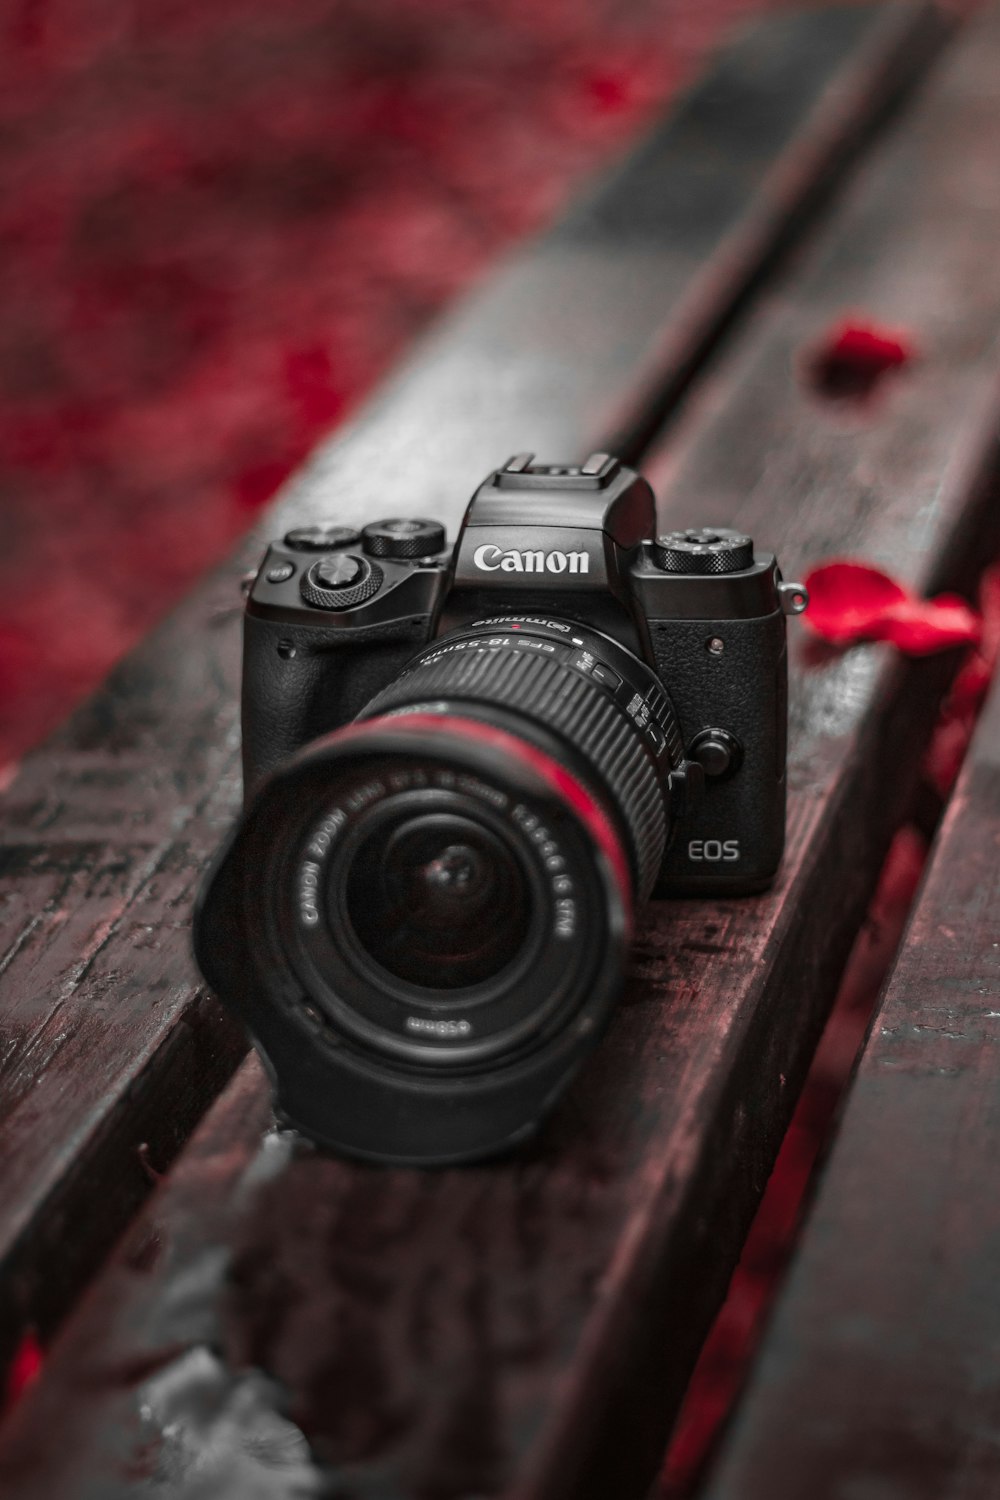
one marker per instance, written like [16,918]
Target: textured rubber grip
[545,692]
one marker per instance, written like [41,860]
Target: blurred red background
[219,224]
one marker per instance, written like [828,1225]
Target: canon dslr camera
[464,771]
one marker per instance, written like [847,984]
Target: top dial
[402,538]
[704,550]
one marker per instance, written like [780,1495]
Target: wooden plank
[107,1041]
[526,1329]
[878,1376]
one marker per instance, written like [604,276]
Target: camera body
[465,771]
[333,618]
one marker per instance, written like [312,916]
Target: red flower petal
[851,601]
[920,627]
[946,751]
[868,344]
[855,354]
[25,1367]
[846,599]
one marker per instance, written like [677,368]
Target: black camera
[464,771]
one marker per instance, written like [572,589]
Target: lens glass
[439,900]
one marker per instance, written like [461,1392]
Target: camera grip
[732,840]
[302,681]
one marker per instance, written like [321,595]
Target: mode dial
[708,549]
[341,581]
[403,538]
[320,538]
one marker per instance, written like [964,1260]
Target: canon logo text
[489,557]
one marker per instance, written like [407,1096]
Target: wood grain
[879,1374]
[106,1042]
[526,1329]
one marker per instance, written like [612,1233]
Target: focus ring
[564,701]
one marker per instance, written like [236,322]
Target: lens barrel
[573,692]
[434,903]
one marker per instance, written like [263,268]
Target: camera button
[341,581]
[717,752]
[657,736]
[338,572]
[320,538]
[280,573]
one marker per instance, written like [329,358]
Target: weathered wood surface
[526,1329]
[106,1042]
[879,1375]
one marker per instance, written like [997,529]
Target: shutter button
[341,581]
[338,572]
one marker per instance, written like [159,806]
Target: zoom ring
[565,702]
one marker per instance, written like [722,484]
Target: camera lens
[438,900]
[450,880]
[433,904]
[572,692]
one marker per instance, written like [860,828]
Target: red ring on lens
[554,776]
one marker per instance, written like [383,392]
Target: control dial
[341,581]
[403,538]
[320,538]
[704,550]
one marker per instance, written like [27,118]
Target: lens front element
[451,900]
[438,900]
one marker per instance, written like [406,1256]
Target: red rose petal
[920,627]
[24,1369]
[868,344]
[846,599]
[855,354]
[852,601]
[960,710]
